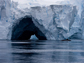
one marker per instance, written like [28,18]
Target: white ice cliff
[5,18]
[57,21]
[82,20]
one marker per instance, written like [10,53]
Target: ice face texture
[82,20]
[5,18]
[56,22]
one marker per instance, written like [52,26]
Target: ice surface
[4,18]
[82,20]
[59,19]
[56,19]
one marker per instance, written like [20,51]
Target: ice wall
[55,21]
[82,20]
[4,18]
[51,18]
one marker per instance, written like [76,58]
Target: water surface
[42,51]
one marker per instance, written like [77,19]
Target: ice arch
[25,29]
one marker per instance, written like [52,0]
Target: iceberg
[82,20]
[4,18]
[57,20]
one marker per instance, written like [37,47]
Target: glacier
[57,20]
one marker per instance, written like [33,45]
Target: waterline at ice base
[41,19]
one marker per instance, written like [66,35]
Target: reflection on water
[42,51]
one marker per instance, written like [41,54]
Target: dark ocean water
[42,51]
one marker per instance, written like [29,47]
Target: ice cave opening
[25,28]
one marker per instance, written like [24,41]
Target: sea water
[35,51]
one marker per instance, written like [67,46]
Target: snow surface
[61,21]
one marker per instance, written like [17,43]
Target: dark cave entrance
[25,29]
